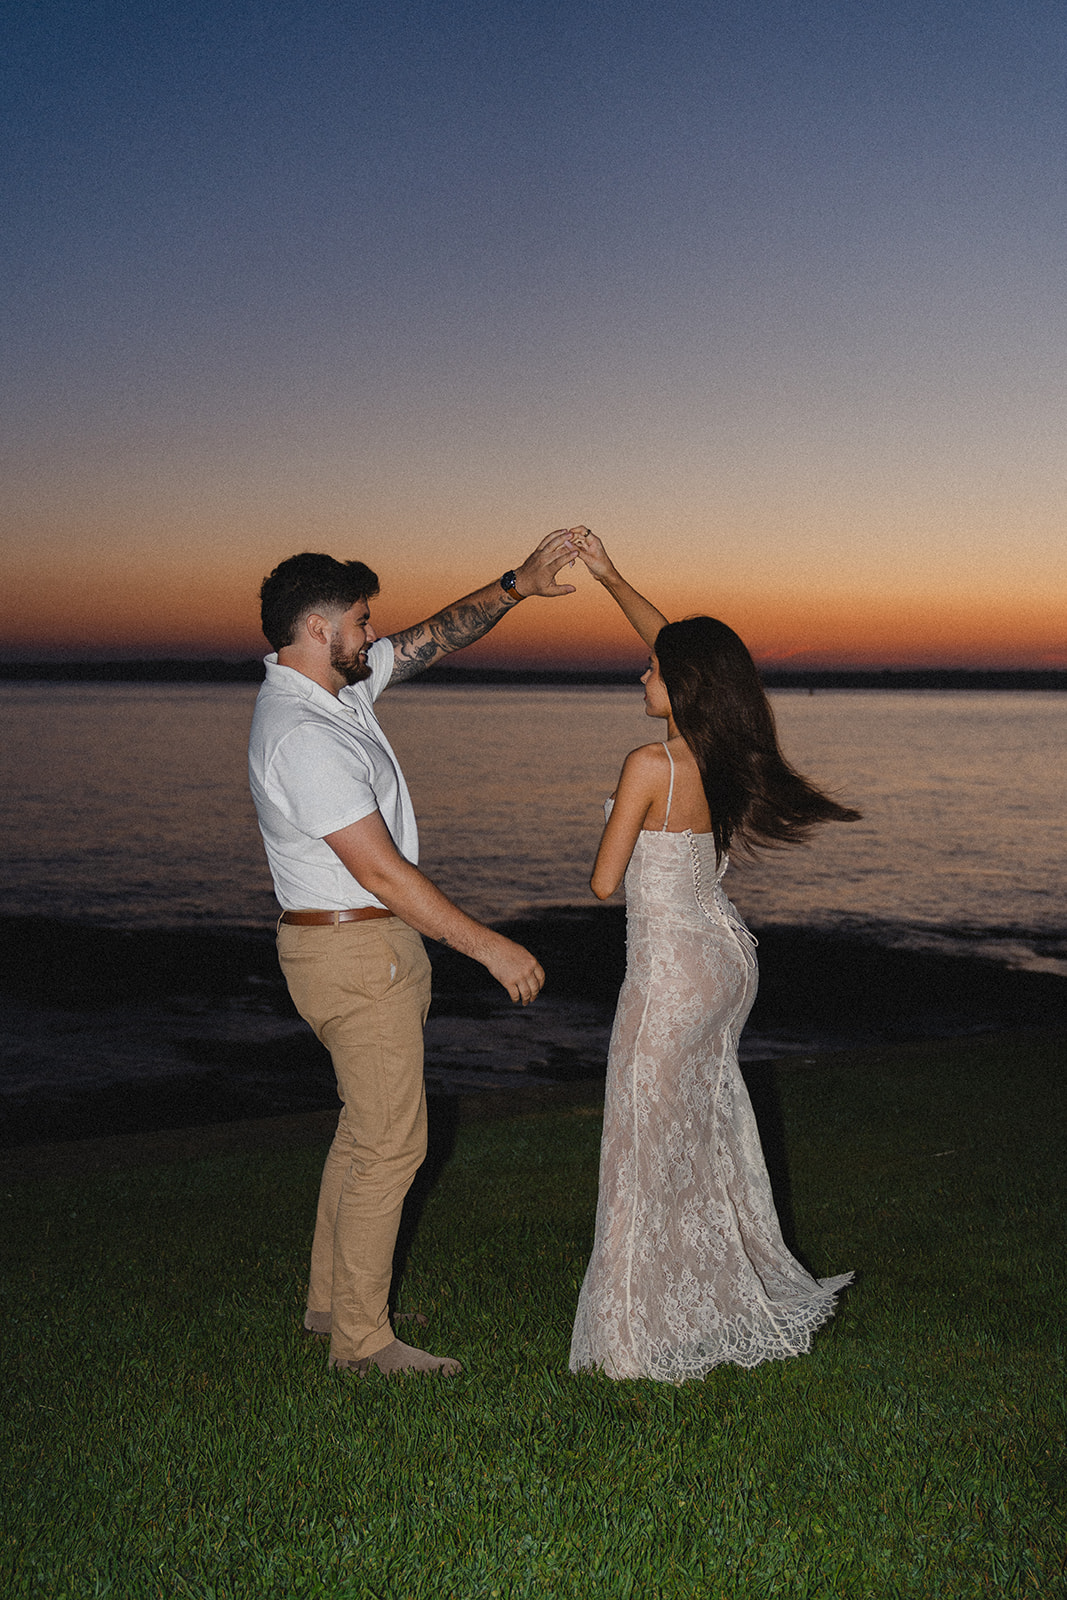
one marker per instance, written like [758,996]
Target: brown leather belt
[328,919]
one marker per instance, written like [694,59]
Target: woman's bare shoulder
[645,772]
[649,757]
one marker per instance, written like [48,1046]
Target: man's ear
[317,627]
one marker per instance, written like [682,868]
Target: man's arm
[366,848]
[464,621]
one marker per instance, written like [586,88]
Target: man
[342,844]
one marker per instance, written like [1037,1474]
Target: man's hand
[537,575]
[520,973]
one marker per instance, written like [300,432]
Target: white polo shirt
[316,763]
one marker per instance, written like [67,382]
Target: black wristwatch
[507,583]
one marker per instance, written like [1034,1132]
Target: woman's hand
[642,615]
[592,552]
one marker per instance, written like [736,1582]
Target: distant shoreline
[182,670]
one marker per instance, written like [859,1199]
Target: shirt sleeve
[319,782]
[381,658]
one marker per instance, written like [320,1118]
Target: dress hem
[795,1340]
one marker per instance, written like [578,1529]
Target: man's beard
[353,669]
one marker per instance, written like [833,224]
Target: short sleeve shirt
[316,763]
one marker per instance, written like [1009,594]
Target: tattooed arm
[464,621]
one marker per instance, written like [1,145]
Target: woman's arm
[639,612]
[643,779]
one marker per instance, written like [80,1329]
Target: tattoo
[409,660]
[458,625]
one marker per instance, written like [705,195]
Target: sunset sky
[770,293]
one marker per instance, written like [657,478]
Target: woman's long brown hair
[722,712]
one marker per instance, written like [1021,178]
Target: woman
[689,1268]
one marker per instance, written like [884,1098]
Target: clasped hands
[537,575]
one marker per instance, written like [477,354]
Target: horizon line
[188,669]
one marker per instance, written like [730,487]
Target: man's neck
[319,671]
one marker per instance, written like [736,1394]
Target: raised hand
[590,550]
[642,615]
[537,575]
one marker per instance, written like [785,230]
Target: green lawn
[166,1433]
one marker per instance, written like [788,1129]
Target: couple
[688,1268]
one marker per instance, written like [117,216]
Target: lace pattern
[689,1268]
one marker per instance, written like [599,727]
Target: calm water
[127,805]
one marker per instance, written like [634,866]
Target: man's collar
[293,681]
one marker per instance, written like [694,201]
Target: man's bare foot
[399,1357]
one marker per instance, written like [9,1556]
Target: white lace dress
[689,1268]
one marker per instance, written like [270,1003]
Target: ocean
[132,866]
[127,806]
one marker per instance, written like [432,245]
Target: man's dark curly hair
[310,583]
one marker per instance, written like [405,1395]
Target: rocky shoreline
[108,1032]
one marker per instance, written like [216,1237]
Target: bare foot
[399,1357]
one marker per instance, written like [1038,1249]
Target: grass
[167,1434]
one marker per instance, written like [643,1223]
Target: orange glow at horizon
[171,606]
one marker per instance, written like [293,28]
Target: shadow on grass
[442,1119]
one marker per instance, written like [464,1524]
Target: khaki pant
[364,987]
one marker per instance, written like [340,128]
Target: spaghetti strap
[670,792]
